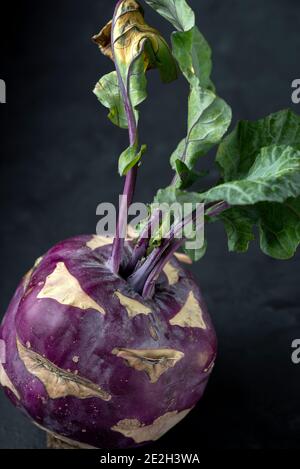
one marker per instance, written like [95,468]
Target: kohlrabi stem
[128,193]
[130,182]
[144,278]
[140,249]
[149,287]
[217,209]
[139,278]
[119,240]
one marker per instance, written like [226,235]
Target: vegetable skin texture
[67,363]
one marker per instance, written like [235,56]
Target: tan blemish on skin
[202,358]
[27,277]
[58,382]
[28,291]
[98,242]
[190,315]
[133,307]
[75,359]
[154,362]
[210,367]
[183,258]
[37,262]
[6,382]
[141,433]
[153,332]
[172,274]
[65,288]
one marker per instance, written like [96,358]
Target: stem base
[54,442]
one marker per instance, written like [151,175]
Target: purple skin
[75,341]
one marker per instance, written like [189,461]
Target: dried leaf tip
[103,40]
[129,13]
[128,36]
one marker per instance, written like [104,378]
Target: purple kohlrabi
[89,360]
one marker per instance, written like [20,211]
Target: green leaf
[208,119]
[260,162]
[274,177]
[190,48]
[238,222]
[279,228]
[208,116]
[171,195]
[176,12]
[108,92]
[278,224]
[193,54]
[187,176]
[129,158]
[238,151]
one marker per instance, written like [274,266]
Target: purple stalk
[139,278]
[145,277]
[140,249]
[217,209]
[153,263]
[149,287]
[130,182]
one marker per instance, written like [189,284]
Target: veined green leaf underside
[208,119]
[278,224]
[176,12]
[239,149]
[260,164]
[208,116]
[274,177]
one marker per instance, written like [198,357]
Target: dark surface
[59,160]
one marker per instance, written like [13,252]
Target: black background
[59,161]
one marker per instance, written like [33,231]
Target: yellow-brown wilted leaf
[128,37]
